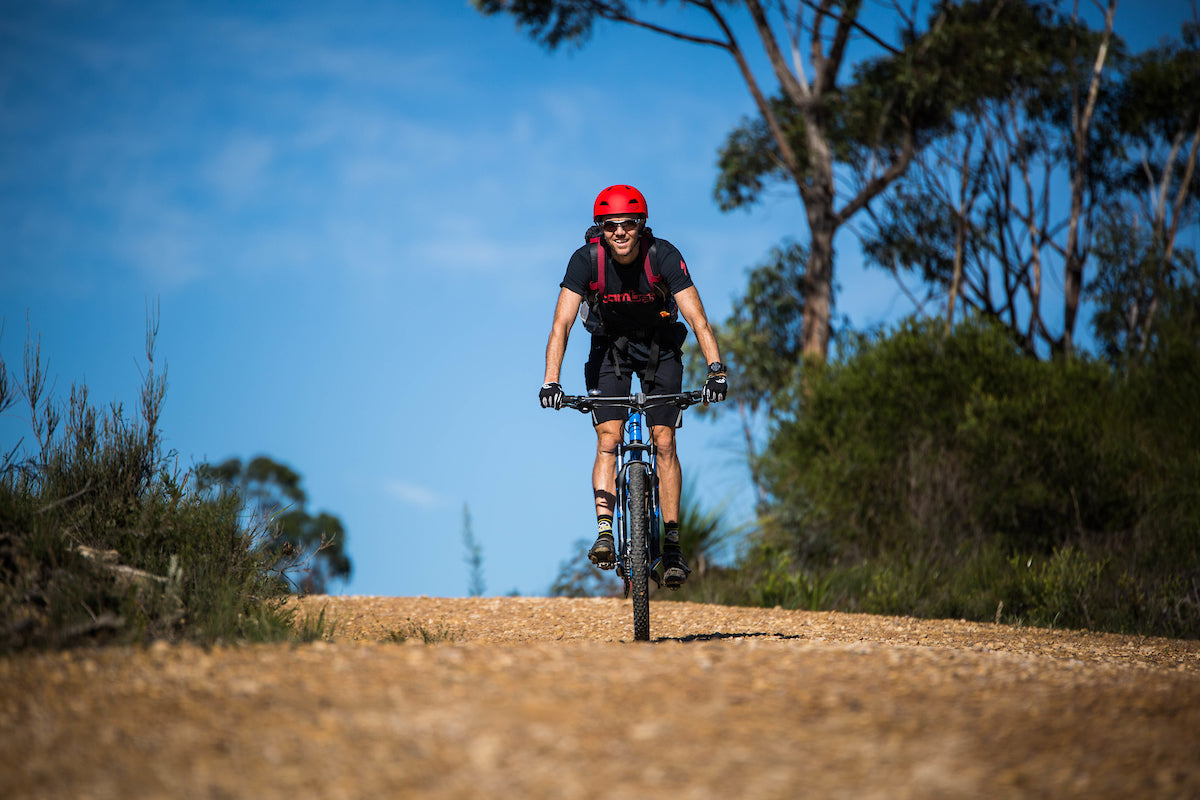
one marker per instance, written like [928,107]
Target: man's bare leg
[604,486]
[670,483]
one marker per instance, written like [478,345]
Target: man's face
[621,233]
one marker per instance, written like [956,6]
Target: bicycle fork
[633,451]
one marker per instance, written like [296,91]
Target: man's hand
[715,388]
[551,395]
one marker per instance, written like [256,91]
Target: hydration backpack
[589,311]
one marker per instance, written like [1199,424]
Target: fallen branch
[108,560]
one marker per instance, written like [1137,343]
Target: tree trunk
[818,282]
[818,195]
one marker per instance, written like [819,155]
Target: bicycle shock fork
[633,449]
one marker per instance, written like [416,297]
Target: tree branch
[874,187]
[1181,195]
[620,16]
[838,51]
[786,152]
[797,93]
[824,10]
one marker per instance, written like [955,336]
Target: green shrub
[918,472]
[102,541]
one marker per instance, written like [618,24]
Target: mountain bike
[637,517]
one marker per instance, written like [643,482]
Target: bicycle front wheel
[638,557]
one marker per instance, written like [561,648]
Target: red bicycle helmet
[620,199]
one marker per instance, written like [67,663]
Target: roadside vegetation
[104,539]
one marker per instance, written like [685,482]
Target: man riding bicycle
[629,287]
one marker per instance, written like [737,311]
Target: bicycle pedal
[605,564]
[674,578]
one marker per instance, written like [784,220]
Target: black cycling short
[600,373]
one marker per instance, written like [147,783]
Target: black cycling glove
[551,395]
[716,387]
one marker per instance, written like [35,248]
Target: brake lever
[580,404]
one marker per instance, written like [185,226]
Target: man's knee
[664,440]
[608,438]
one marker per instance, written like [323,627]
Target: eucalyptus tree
[988,210]
[306,550]
[839,141]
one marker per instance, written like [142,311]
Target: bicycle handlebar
[639,401]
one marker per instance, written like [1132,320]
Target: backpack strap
[620,347]
[650,264]
[598,270]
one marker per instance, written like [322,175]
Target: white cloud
[414,494]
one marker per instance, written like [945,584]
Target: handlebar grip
[577,402]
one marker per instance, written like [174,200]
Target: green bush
[954,476]
[102,541]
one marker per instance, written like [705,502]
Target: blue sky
[353,219]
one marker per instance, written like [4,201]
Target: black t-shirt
[629,302]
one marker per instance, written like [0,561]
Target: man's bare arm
[693,311]
[560,331]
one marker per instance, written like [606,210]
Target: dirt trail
[549,698]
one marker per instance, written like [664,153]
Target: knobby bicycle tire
[639,551]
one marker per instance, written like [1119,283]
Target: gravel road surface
[550,698]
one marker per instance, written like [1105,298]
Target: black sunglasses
[630,225]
